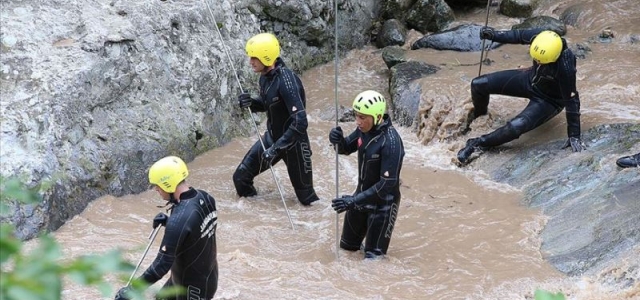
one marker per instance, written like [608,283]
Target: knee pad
[479,84]
[242,173]
[243,181]
[480,95]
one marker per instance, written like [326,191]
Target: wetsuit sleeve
[350,145]
[290,90]
[391,157]
[173,236]
[567,81]
[516,36]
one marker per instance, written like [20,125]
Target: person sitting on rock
[550,86]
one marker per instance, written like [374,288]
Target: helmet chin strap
[172,201]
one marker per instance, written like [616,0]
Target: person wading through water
[188,248]
[372,210]
[282,97]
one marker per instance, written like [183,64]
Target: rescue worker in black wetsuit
[550,86]
[282,97]
[188,247]
[373,208]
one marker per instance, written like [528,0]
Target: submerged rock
[592,204]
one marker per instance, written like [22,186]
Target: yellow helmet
[371,103]
[265,47]
[168,172]
[546,47]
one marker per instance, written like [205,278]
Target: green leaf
[545,295]
[14,189]
[9,244]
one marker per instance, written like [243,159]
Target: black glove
[244,100]
[576,144]
[269,155]
[160,219]
[122,293]
[344,203]
[336,137]
[487,33]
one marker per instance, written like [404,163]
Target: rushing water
[459,235]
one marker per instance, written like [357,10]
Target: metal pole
[253,121]
[486,23]
[153,237]
[336,146]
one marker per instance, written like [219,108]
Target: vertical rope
[336,104]
[486,23]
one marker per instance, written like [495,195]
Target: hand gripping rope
[486,23]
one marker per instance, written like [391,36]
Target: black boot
[465,153]
[631,161]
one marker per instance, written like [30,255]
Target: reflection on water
[459,235]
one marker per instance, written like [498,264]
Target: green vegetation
[545,295]
[39,274]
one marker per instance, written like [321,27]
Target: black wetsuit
[282,97]
[188,248]
[380,155]
[549,88]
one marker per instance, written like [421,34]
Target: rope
[253,121]
[336,146]
[486,23]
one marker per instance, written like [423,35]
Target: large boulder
[405,93]
[93,94]
[392,33]
[430,16]
[460,38]
[545,22]
[589,200]
[518,8]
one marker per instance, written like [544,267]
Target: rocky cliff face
[93,93]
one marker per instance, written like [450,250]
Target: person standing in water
[372,210]
[282,97]
[550,86]
[188,248]
[631,161]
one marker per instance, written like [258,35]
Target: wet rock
[392,33]
[466,3]
[429,16]
[545,22]
[572,13]
[90,103]
[460,38]
[518,8]
[580,50]
[405,93]
[395,9]
[592,205]
[345,114]
[393,56]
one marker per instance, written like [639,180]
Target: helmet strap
[172,201]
